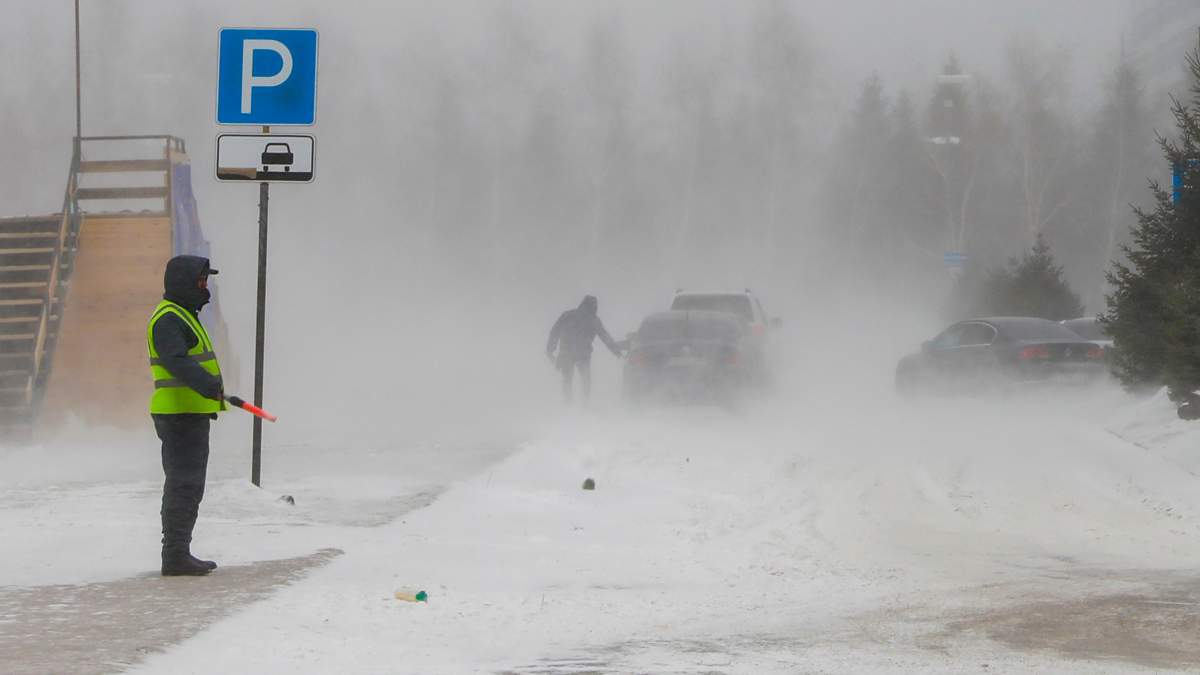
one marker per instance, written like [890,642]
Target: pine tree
[1034,286]
[1154,310]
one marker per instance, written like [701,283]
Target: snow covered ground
[1048,533]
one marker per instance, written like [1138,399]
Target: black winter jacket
[173,338]
[574,332]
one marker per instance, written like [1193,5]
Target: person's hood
[589,305]
[180,282]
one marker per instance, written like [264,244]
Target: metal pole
[260,328]
[78,105]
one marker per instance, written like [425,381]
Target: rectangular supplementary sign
[267,76]
[954,258]
[265,158]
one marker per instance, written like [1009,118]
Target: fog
[480,166]
[866,167]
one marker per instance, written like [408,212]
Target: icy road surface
[944,537]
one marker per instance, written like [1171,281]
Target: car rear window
[1088,329]
[1036,329]
[729,303]
[688,326]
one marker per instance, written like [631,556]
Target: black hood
[589,305]
[181,281]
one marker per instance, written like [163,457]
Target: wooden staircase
[38,253]
[28,253]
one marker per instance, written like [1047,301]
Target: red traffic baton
[252,409]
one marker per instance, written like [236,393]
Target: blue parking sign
[267,76]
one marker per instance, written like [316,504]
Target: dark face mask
[182,282]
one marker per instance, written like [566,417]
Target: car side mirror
[776,323]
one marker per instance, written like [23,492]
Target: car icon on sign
[277,155]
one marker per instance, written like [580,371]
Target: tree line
[992,167]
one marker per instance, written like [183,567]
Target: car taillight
[758,329]
[731,358]
[1095,352]
[637,358]
[1035,352]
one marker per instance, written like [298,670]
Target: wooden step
[33,224]
[13,290]
[122,193]
[28,235]
[11,378]
[24,257]
[9,276]
[22,311]
[18,347]
[124,215]
[23,284]
[23,328]
[23,293]
[120,165]
[19,413]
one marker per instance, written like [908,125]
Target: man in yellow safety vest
[188,394]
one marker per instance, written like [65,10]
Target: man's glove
[216,391]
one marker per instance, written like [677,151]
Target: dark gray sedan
[998,353]
[689,357]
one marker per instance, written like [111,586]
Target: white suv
[744,304]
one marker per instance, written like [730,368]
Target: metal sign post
[260,328]
[265,77]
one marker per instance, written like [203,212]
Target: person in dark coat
[572,336]
[188,394]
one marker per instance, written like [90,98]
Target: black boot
[207,563]
[184,566]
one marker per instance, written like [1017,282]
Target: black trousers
[185,465]
[584,366]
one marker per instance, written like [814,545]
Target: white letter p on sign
[249,81]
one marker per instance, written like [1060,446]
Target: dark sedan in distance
[996,353]
[687,356]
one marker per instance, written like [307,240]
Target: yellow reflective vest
[172,396]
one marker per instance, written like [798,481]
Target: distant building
[1160,34]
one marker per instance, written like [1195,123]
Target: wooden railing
[68,232]
[67,242]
